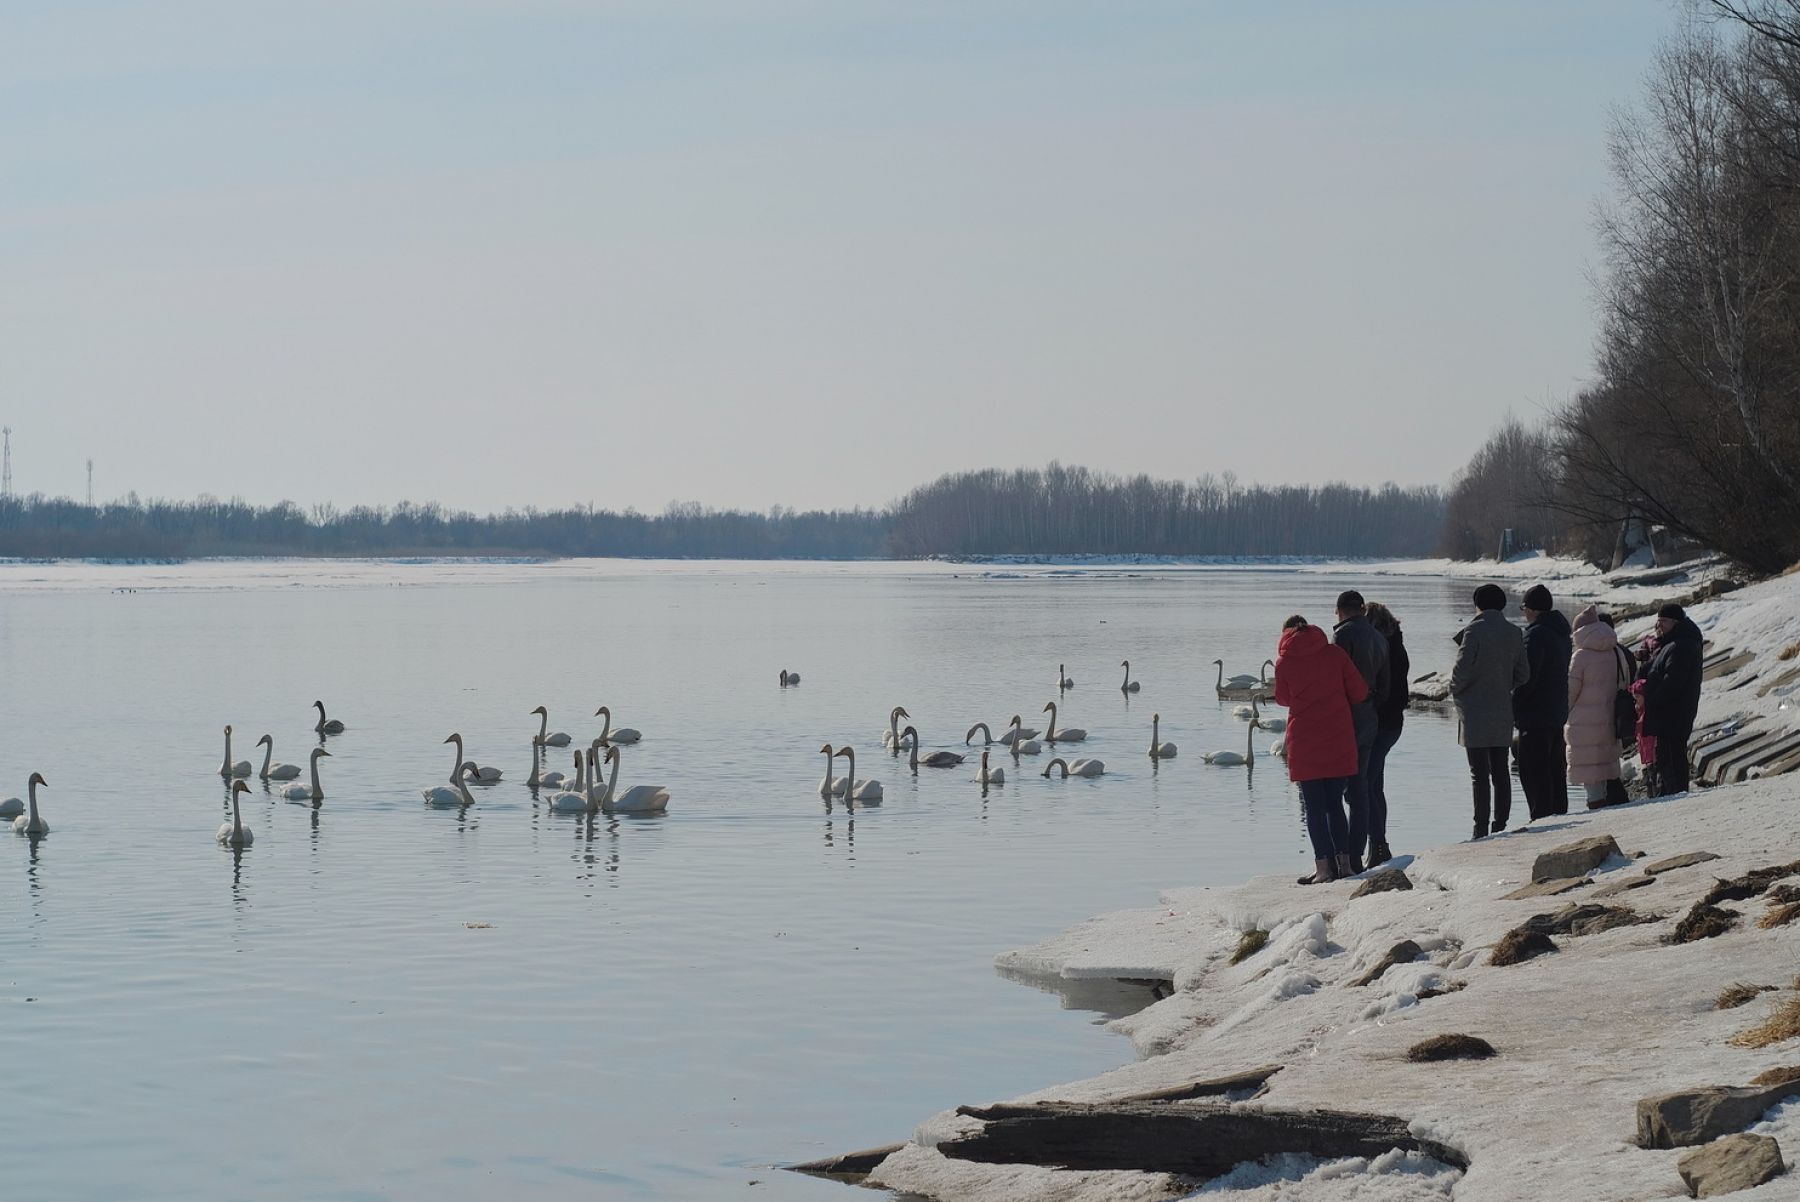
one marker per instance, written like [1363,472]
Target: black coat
[1542,702]
[1391,712]
[1672,682]
[1368,650]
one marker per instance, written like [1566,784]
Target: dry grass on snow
[1780,1027]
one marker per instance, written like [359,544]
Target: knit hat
[1672,610]
[1538,597]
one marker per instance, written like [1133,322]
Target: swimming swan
[1012,734]
[1243,713]
[891,739]
[1231,759]
[866,791]
[229,769]
[273,771]
[1073,734]
[831,786]
[1159,750]
[789,678]
[326,726]
[1022,743]
[639,799]
[990,776]
[1272,725]
[622,735]
[1130,685]
[31,822]
[937,759]
[481,774]
[1063,679]
[456,793]
[545,736]
[1088,768]
[312,792]
[539,779]
[235,833]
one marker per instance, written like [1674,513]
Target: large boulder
[1574,859]
[1697,1116]
[1728,1165]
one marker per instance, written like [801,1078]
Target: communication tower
[6,467]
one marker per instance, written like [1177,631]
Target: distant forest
[1057,510]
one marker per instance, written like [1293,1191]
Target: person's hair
[1349,601]
[1490,596]
[1606,618]
[1381,617]
[1673,611]
[1294,623]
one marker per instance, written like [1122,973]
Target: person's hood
[1553,620]
[1587,617]
[1684,631]
[1306,640]
[1595,635]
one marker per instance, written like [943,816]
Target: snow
[1580,1034]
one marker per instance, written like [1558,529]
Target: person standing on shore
[1490,664]
[1672,694]
[1390,719]
[1541,706]
[1318,684]
[1598,670]
[1368,651]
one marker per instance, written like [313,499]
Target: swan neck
[317,792]
[607,728]
[226,766]
[31,795]
[237,821]
[850,773]
[456,771]
[612,781]
[543,725]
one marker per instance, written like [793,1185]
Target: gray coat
[1490,664]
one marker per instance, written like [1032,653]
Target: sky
[500,253]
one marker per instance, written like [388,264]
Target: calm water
[379,1000]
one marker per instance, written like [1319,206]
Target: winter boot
[1347,865]
[1379,853]
[1323,874]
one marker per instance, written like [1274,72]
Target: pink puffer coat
[1596,674]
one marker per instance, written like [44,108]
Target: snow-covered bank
[1581,1034]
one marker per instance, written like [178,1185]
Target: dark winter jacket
[1490,664]
[1368,650]
[1392,710]
[1317,684]
[1672,682]
[1542,702]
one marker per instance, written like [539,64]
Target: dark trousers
[1672,764]
[1488,775]
[1325,825]
[1356,788]
[1544,771]
[1377,778]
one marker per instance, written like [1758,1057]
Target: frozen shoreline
[1581,1034]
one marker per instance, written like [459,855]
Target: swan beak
[324,753]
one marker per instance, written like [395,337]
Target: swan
[1073,734]
[1088,768]
[229,769]
[937,759]
[639,799]
[1272,725]
[540,779]
[1130,685]
[831,786]
[1159,750]
[789,678]
[235,833]
[1278,749]
[477,774]
[312,792]
[1236,682]
[11,808]
[1231,759]
[548,739]
[456,793]
[273,771]
[1243,713]
[987,736]
[854,790]
[326,726]
[1011,735]
[1063,679]
[31,822]
[892,739]
[1022,743]
[990,776]
[622,735]
[574,794]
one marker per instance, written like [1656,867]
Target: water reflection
[1109,997]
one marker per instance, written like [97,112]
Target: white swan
[990,776]
[1088,768]
[1243,713]
[326,726]
[574,795]
[1130,685]
[456,793]
[987,736]
[1007,738]
[31,822]
[1023,743]
[1063,679]
[1278,748]
[229,769]
[1159,750]
[891,739]
[11,808]
[789,678]
[639,799]
[866,791]
[1073,734]
[481,774]
[831,786]
[937,759]
[540,779]
[545,735]
[235,833]
[312,792]
[1273,725]
[271,770]
[622,735]
[1231,759]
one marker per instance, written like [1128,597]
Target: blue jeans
[1377,776]
[1356,791]
[1325,825]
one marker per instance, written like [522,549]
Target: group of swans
[25,817]
[1253,713]
[847,785]
[580,791]
[1244,687]
[892,738]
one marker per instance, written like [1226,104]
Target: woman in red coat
[1318,684]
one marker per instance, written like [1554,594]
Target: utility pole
[90,484]
[6,470]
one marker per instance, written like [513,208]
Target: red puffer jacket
[1318,683]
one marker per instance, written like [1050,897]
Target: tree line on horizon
[1049,511]
[1692,422]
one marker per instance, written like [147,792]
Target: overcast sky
[812,252]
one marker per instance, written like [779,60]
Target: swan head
[1016,721]
[455,738]
[228,730]
[596,744]
[319,705]
[316,752]
[1049,707]
[826,750]
[1219,662]
[265,739]
[238,786]
[603,710]
[612,755]
[913,731]
[539,710]
[37,778]
[1124,663]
